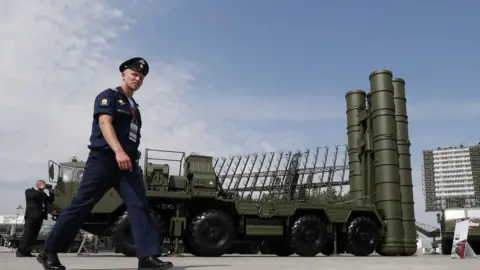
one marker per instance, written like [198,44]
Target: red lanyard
[133,113]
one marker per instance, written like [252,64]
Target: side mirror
[51,172]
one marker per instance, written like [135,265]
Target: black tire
[211,233]
[307,236]
[363,236]
[123,238]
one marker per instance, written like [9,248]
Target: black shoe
[153,263]
[24,254]
[50,261]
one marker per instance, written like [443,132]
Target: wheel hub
[214,233]
[364,236]
[310,235]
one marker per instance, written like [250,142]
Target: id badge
[133,134]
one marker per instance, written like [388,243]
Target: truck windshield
[459,213]
[66,173]
[79,175]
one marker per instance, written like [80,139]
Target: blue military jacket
[114,102]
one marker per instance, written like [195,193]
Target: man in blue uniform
[113,149]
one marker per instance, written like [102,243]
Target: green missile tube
[405,167]
[384,138]
[355,99]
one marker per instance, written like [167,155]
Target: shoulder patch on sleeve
[104,102]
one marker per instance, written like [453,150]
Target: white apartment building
[453,172]
[450,177]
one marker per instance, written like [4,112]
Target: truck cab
[67,180]
[448,219]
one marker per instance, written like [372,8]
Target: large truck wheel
[211,233]
[363,236]
[123,237]
[307,236]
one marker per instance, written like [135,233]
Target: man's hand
[123,161]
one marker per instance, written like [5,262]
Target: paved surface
[114,261]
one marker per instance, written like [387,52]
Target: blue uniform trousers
[102,173]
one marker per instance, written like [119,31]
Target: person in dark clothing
[112,163]
[37,205]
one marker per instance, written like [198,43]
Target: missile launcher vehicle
[277,203]
[268,202]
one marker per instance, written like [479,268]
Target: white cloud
[55,59]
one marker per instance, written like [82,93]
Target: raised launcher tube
[355,100]
[405,167]
[366,152]
[384,139]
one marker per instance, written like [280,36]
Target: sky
[229,77]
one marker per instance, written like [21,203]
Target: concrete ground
[8,261]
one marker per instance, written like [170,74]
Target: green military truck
[192,208]
[270,202]
[447,219]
